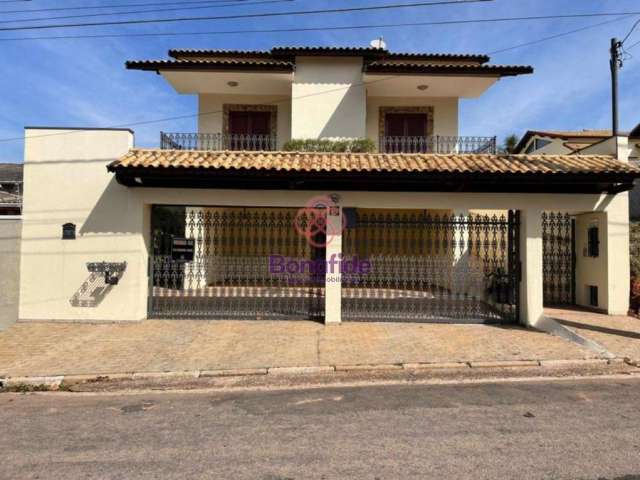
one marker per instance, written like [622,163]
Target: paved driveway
[620,334]
[182,345]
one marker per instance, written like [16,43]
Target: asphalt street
[578,429]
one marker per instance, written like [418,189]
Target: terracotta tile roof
[574,133]
[380,163]
[286,52]
[449,69]
[328,51]
[211,64]
[206,52]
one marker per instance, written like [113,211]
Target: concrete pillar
[333,278]
[531,288]
[615,243]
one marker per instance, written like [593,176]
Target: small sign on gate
[182,249]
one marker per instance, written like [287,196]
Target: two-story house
[323,183]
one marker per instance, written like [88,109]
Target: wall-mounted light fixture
[422,87]
[233,84]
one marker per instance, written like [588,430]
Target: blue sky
[83,83]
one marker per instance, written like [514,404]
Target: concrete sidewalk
[50,349]
[619,334]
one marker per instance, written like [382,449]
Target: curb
[423,366]
[233,373]
[506,364]
[53,382]
[381,366]
[300,370]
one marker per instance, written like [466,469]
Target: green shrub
[634,247]
[358,145]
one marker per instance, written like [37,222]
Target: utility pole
[615,63]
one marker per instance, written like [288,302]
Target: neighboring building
[10,227]
[582,142]
[557,142]
[227,222]
[10,188]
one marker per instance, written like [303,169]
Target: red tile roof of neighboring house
[11,172]
[583,135]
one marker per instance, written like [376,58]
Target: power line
[558,35]
[323,28]
[199,114]
[630,32]
[253,15]
[181,117]
[121,5]
[196,115]
[134,12]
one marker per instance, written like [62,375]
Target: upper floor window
[249,127]
[249,123]
[406,129]
[537,144]
[406,125]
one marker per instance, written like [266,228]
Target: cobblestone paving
[620,334]
[182,345]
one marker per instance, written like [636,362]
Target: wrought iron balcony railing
[216,141]
[438,144]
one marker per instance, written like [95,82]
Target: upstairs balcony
[217,141]
[388,144]
[437,144]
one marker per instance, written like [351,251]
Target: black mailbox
[182,249]
[68,231]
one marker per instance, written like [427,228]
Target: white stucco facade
[328,98]
[66,180]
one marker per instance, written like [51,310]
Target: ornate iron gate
[432,268]
[559,260]
[234,265]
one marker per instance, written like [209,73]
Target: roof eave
[181,177]
[448,70]
[159,67]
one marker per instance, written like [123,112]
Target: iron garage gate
[216,262]
[424,266]
[427,266]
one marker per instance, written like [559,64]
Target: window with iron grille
[593,295]
[593,244]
